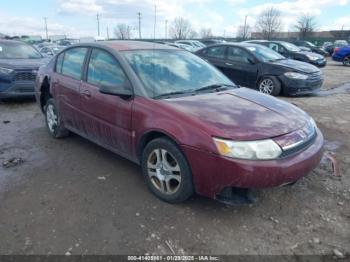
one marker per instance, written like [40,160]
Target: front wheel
[166,171]
[270,85]
[53,120]
[346,61]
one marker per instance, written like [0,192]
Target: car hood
[295,65]
[311,53]
[241,114]
[23,63]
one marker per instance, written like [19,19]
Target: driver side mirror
[123,90]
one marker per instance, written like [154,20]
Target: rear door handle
[86,93]
[228,64]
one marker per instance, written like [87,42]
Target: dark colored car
[50,50]
[19,63]
[311,46]
[208,42]
[292,51]
[342,54]
[188,126]
[258,67]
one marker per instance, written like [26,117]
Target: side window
[274,47]
[73,62]
[216,51]
[104,70]
[236,54]
[59,63]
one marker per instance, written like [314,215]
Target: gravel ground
[72,196]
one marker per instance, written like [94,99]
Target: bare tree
[122,31]
[244,32]
[306,25]
[206,33]
[269,22]
[181,28]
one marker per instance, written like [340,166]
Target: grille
[25,76]
[300,147]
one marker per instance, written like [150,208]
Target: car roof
[241,44]
[11,41]
[125,45]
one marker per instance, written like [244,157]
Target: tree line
[268,23]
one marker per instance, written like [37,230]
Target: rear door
[240,67]
[66,82]
[106,118]
[216,56]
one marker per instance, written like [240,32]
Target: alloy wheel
[51,117]
[164,171]
[346,61]
[266,86]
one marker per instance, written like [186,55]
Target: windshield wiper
[277,59]
[170,94]
[216,87]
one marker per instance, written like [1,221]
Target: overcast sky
[78,17]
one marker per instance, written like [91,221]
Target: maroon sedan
[188,126]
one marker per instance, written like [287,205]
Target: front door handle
[228,64]
[86,93]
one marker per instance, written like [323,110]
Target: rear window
[216,51]
[73,62]
[17,50]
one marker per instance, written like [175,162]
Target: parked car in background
[188,48]
[340,43]
[51,50]
[196,45]
[19,63]
[67,42]
[258,67]
[181,123]
[311,47]
[292,51]
[208,42]
[342,54]
[328,47]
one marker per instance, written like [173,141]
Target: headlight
[5,71]
[294,75]
[313,123]
[251,150]
[312,57]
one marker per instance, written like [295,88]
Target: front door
[241,67]
[107,118]
[66,83]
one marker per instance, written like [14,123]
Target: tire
[53,120]
[346,61]
[269,85]
[166,171]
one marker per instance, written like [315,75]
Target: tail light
[336,49]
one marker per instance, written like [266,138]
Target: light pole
[98,24]
[139,17]
[166,29]
[47,34]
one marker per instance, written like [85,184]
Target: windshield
[265,54]
[16,50]
[57,49]
[310,44]
[290,47]
[172,71]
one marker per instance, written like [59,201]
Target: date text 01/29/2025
[173,258]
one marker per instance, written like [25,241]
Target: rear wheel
[166,171]
[270,85]
[53,120]
[346,61]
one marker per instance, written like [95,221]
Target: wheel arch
[45,93]
[151,135]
